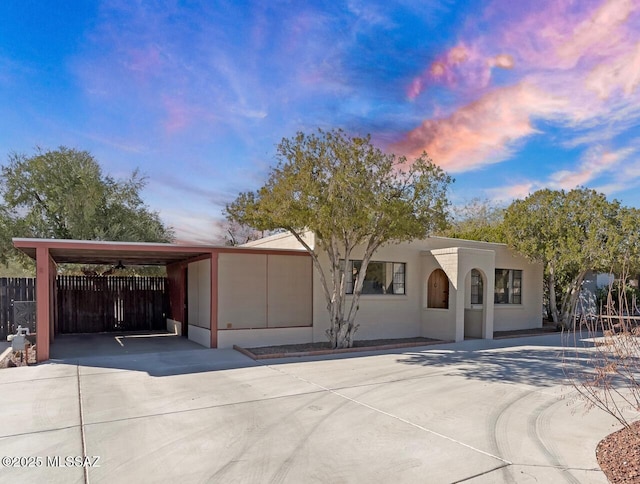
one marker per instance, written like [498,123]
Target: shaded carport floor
[477,411]
[74,346]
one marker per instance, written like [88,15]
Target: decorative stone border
[359,349]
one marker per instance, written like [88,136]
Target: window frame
[513,287]
[395,285]
[479,284]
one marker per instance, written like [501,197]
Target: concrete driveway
[477,412]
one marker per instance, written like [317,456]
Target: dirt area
[290,350]
[373,344]
[546,328]
[619,455]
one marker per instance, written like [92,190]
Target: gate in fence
[17,304]
[92,304]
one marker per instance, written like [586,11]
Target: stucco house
[436,287]
[267,292]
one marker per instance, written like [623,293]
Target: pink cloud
[460,66]
[594,163]
[579,65]
[482,132]
[622,72]
[619,165]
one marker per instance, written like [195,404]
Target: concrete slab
[478,411]
[125,394]
[38,405]
[45,457]
[304,438]
[73,346]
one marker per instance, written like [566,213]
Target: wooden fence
[17,304]
[92,304]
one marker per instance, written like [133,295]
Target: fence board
[15,289]
[92,304]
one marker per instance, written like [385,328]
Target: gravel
[619,455]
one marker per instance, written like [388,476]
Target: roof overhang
[111,253]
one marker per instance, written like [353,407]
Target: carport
[264,295]
[48,253]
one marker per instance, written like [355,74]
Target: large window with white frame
[508,288]
[387,278]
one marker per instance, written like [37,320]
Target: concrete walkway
[477,412]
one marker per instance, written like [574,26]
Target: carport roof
[99,252]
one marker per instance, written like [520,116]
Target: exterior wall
[528,314]
[174,326]
[200,335]
[407,316]
[379,316]
[263,291]
[435,322]
[242,291]
[199,302]
[250,338]
[176,279]
[281,241]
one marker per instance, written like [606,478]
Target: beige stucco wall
[380,316]
[529,313]
[199,293]
[281,241]
[394,316]
[289,290]
[242,291]
[249,338]
[406,316]
[263,291]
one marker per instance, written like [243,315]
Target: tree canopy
[64,194]
[351,195]
[571,233]
[477,220]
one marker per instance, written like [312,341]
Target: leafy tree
[571,233]
[63,194]
[477,220]
[350,195]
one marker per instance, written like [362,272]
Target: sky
[507,97]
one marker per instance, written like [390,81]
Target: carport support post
[43,303]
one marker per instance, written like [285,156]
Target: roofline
[466,240]
[19,242]
[114,246]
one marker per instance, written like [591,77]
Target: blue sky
[508,97]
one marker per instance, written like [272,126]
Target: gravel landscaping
[619,455]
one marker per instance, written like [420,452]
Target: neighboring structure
[267,292]
[593,284]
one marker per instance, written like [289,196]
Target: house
[436,287]
[267,292]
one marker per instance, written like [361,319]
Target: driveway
[476,412]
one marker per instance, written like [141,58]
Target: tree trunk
[553,304]
[569,301]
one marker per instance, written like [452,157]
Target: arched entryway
[438,290]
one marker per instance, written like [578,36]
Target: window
[508,287]
[438,290]
[381,277]
[476,287]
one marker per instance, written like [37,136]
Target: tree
[571,233]
[234,234]
[350,195]
[63,194]
[477,220]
